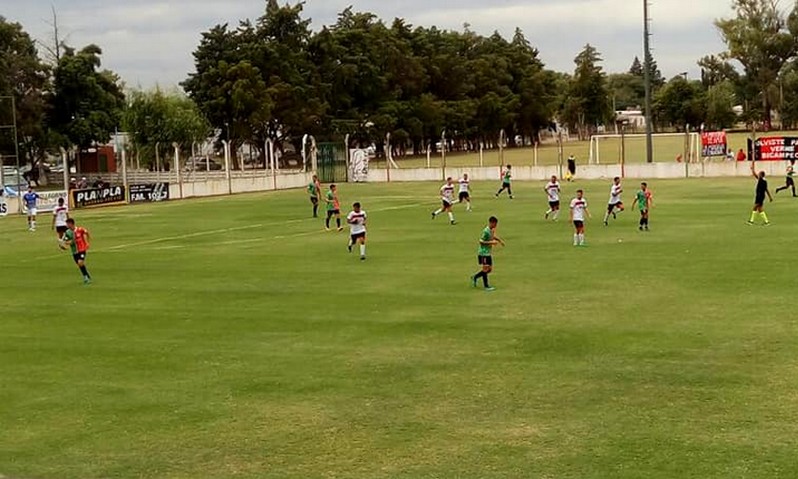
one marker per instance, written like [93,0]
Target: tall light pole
[647,80]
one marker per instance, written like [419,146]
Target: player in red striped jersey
[357,229]
[447,200]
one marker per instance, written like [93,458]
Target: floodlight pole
[647,80]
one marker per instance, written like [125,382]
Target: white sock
[362,250]
[469,205]
[576,240]
[437,212]
[33,224]
[582,238]
[606,217]
[556,214]
[549,211]
[451,217]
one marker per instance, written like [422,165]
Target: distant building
[634,119]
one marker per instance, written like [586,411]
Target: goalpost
[667,147]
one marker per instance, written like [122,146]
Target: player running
[487,241]
[465,191]
[31,200]
[578,212]
[790,181]
[506,182]
[615,204]
[314,190]
[77,238]
[759,199]
[552,190]
[60,217]
[643,201]
[357,229]
[447,199]
[333,208]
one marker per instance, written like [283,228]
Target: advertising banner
[149,193]
[713,143]
[98,196]
[776,148]
[3,205]
[48,200]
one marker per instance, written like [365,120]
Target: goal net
[631,148]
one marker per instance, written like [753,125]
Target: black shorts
[759,201]
[79,256]
[446,204]
[554,204]
[314,200]
[790,181]
[333,212]
[505,185]
[579,224]
[61,229]
[464,195]
[612,206]
[485,260]
[357,236]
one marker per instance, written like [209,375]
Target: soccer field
[233,337]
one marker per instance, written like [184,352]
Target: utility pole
[647,79]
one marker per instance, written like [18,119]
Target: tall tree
[25,78]
[680,103]
[86,102]
[762,38]
[588,104]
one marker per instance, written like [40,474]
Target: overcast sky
[150,42]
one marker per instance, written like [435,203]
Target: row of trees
[274,77]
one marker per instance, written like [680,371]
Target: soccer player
[487,241]
[357,229]
[60,217]
[465,191]
[790,182]
[644,202]
[759,200]
[447,199]
[333,208]
[506,180]
[77,238]
[578,212]
[31,199]
[552,190]
[314,189]
[615,204]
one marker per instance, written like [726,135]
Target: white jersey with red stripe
[553,190]
[464,185]
[578,207]
[447,193]
[615,194]
[357,222]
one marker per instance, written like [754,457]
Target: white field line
[118,248]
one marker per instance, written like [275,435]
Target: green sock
[764,217]
[753,216]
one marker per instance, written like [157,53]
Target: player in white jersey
[60,217]
[447,200]
[579,213]
[465,191]
[615,204]
[552,190]
[357,229]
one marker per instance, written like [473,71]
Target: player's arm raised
[753,169]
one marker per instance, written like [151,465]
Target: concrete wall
[588,172]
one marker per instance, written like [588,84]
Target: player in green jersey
[333,208]
[790,181]
[314,189]
[506,179]
[77,238]
[487,241]
[644,202]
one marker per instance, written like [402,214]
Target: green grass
[665,150]
[261,349]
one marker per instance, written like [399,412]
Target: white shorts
[32,211]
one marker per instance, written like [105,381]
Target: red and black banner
[773,148]
[713,143]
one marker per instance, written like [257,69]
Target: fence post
[124,174]
[429,152]
[481,153]
[388,158]
[443,154]
[535,153]
[177,168]
[227,166]
[65,161]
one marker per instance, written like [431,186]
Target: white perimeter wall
[589,172]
